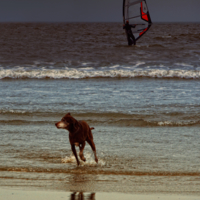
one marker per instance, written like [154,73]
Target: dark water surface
[144,102]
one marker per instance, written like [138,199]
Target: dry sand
[24,194]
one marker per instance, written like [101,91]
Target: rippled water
[143,102]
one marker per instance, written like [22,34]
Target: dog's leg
[75,154]
[91,143]
[92,196]
[81,146]
[73,195]
[81,196]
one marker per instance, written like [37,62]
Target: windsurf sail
[137,14]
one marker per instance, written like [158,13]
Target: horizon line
[154,22]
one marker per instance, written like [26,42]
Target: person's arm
[132,26]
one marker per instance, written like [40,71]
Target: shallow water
[143,102]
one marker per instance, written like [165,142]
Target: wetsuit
[130,36]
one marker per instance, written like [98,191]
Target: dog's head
[67,122]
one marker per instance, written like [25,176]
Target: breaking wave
[98,119]
[95,73]
[120,122]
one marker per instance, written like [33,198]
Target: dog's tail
[91,128]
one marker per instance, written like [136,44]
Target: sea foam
[89,160]
[96,73]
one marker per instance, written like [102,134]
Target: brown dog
[79,132]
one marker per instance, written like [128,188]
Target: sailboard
[137,14]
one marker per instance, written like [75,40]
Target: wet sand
[21,194]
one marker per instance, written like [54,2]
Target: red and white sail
[137,13]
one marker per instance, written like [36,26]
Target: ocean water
[144,102]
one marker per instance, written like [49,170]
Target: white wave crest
[108,73]
[89,160]
[170,123]
[12,111]
[184,65]
[166,123]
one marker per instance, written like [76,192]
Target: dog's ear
[68,114]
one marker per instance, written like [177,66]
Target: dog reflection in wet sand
[79,133]
[81,196]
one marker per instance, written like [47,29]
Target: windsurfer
[130,36]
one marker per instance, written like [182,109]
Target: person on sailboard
[130,36]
